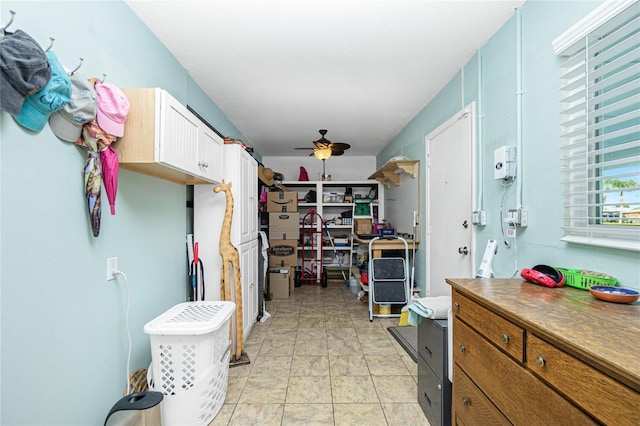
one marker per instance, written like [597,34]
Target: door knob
[463,250]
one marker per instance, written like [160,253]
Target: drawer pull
[505,338]
[426,398]
[428,351]
[463,349]
[540,361]
[456,305]
[465,401]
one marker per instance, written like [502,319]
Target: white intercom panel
[504,161]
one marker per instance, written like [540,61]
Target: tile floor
[318,360]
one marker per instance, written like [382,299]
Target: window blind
[600,127]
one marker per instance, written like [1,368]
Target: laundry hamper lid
[191,318]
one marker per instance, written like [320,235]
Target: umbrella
[110,165]
[95,140]
[92,186]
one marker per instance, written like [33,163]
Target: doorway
[449,202]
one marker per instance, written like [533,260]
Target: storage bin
[190,360]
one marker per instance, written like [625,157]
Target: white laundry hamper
[190,360]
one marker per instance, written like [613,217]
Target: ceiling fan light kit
[322,154]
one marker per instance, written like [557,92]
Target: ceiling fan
[337,148]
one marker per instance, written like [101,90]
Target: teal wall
[539,243]
[63,347]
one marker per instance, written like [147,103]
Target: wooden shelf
[392,170]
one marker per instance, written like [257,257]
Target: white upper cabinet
[164,139]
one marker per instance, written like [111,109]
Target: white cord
[126,320]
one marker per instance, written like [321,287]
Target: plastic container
[354,286]
[190,360]
[580,279]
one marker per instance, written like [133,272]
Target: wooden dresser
[528,355]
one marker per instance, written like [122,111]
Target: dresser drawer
[434,396]
[499,331]
[517,393]
[432,345]
[607,400]
[470,404]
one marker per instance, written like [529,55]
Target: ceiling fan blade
[340,146]
[305,148]
[322,145]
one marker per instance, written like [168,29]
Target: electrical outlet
[112,267]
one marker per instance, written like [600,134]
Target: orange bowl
[614,294]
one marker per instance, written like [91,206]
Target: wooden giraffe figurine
[231,261]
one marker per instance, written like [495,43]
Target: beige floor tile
[310,390]
[224,415]
[315,321]
[411,365]
[241,370]
[344,347]
[264,390]
[275,347]
[308,414]
[280,333]
[405,414]
[396,388]
[310,347]
[374,346]
[311,334]
[257,415]
[234,389]
[359,414]
[386,365]
[353,389]
[344,365]
[310,366]
[271,366]
[346,333]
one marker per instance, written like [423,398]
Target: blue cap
[52,97]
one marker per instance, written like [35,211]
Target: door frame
[469,110]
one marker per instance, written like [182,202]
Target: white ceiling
[362,69]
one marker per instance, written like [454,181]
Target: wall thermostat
[504,163]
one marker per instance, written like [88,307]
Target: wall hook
[51,44]
[104,76]
[77,68]
[4,29]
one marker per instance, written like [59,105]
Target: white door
[209,154]
[249,278]
[449,202]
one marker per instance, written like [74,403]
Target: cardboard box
[279,283]
[279,201]
[283,253]
[284,226]
[363,226]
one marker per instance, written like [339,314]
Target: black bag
[310,197]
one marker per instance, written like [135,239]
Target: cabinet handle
[205,164]
[456,305]
[505,338]
[199,163]
[463,349]
[426,398]
[465,401]
[540,361]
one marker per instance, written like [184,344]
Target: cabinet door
[249,196]
[209,154]
[178,138]
[249,278]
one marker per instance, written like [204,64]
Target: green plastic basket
[578,279]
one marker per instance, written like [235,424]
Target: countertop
[603,334]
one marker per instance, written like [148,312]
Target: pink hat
[113,107]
